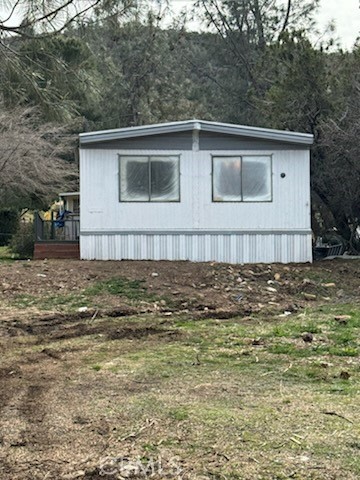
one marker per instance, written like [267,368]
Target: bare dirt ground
[175,286]
[144,360]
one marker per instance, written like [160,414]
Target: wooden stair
[55,249]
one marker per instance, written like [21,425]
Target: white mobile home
[195,190]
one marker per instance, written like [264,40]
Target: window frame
[241,179]
[178,157]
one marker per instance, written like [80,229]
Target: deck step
[44,250]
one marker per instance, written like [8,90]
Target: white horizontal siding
[230,248]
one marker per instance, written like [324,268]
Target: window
[149,178]
[242,179]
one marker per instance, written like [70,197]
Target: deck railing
[66,230]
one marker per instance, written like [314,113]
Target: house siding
[196,228]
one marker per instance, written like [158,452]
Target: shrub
[9,223]
[22,242]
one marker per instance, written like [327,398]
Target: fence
[64,230]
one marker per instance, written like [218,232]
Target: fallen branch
[149,423]
[325,412]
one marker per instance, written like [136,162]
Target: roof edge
[189,125]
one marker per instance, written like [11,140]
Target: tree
[41,64]
[144,76]
[33,168]
[248,28]
[336,178]
[298,98]
[57,74]
[29,18]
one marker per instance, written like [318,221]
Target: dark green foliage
[22,243]
[256,64]
[9,223]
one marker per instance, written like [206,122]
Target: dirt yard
[177,370]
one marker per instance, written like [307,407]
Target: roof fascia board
[189,125]
[263,133]
[131,132]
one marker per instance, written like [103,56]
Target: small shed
[195,190]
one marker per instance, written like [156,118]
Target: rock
[73,476]
[308,337]
[270,282]
[344,375]
[271,289]
[309,296]
[82,309]
[277,276]
[258,341]
[42,275]
[154,274]
[342,319]
[328,285]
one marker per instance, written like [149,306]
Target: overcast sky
[345,13]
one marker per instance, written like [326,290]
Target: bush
[9,223]
[22,242]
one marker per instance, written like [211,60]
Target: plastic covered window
[242,179]
[149,179]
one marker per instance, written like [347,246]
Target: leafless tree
[34,17]
[33,168]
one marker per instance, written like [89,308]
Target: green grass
[132,291]
[6,255]
[226,406]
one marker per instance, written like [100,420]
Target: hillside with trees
[70,66]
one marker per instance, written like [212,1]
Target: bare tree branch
[33,168]
[286,19]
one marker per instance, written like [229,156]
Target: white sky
[345,14]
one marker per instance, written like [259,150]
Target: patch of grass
[179,414]
[6,255]
[294,329]
[130,289]
[343,351]
[97,368]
